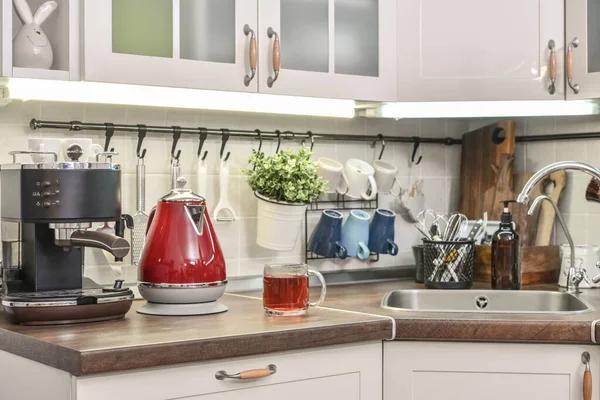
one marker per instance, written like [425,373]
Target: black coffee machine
[46,211]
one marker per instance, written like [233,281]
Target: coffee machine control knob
[46,193]
[46,204]
[46,184]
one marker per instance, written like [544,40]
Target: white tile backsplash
[440,166]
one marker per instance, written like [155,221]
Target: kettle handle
[150,218]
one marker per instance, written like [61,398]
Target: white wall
[439,168]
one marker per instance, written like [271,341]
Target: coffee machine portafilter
[47,210]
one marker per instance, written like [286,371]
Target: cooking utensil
[201,176]
[224,211]
[475,230]
[174,173]
[547,214]
[455,223]
[140,219]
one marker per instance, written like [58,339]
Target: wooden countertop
[141,341]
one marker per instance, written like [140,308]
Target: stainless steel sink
[485,301]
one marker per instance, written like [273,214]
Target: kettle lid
[181,194]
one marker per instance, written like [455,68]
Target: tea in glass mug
[285,289]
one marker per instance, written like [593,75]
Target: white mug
[44,144]
[78,149]
[331,171]
[358,180]
[385,176]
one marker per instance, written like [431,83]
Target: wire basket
[448,265]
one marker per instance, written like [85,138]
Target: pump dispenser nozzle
[506,217]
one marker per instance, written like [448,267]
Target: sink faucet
[575,275]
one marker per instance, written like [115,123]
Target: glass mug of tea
[285,289]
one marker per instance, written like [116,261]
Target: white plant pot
[279,223]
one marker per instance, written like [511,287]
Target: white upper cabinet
[583,38]
[328,48]
[181,43]
[464,50]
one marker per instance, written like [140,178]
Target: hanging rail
[267,135]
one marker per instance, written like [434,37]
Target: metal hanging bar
[241,133]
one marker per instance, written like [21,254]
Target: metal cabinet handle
[587,376]
[248,374]
[276,56]
[251,54]
[569,62]
[552,66]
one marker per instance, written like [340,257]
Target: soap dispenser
[506,253]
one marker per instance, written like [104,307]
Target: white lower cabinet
[491,371]
[350,372]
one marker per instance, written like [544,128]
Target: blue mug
[325,239]
[355,234]
[381,232]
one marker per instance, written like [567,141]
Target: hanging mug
[358,180]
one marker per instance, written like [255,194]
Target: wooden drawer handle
[248,374]
[552,67]
[251,54]
[569,65]
[587,376]
[276,56]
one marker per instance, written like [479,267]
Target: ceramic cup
[385,176]
[358,180]
[331,171]
[381,232]
[79,149]
[326,238]
[44,144]
[355,234]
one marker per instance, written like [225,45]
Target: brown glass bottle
[506,255]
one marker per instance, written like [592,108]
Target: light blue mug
[355,234]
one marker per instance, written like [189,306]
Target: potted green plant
[284,184]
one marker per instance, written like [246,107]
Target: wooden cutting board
[547,214]
[479,153]
[526,225]
[501,190]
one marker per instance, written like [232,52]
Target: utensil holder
[448,264]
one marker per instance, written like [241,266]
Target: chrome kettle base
[212,307]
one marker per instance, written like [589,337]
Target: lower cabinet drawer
[350,372]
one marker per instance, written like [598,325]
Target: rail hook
[312,139]
[380,138]
[415,148]
[176,136]
[278,132]
[203,136]
[258,132]
[110,131]
[141,136]
[76,126]
[224,139]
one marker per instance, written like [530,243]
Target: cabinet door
[342,372]
[583,31]
[491,371]
[181,43]
[464,50]
[329,48]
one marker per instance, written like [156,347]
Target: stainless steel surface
[552,48]
[174,172]
[271,79]
[485,301]
[65,303]
[183,285]
[249,31]
[574,86]
[63,165]
[179,193]
[222,375]
[115,245]
[575,275]
[63,231]
[140,219]
[585,360]
[14,154]
[523,197]
[108,155]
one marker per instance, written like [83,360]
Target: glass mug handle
[323,288]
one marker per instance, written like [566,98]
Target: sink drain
[481,302]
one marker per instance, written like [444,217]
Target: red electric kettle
[182,268]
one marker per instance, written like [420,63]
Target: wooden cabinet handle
[276,56]
[251,54]
[587,376]
[569,65]
[248,374]
[552,67]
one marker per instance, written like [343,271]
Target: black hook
[380,138]
[258,132]
[312,139]
[141,135]
[176,136]
[203,136]
[278,132]
[110,131]
[224,139]
[415,148]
